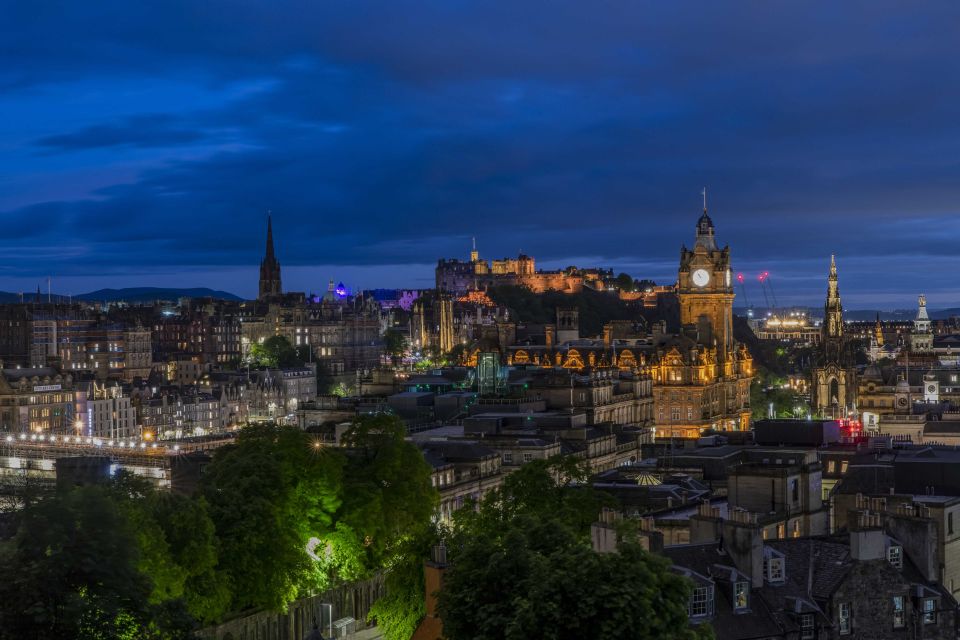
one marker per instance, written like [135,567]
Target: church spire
[268,254]
[270,284]
[705,231]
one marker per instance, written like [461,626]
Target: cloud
[160,130]
[384,134]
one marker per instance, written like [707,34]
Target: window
[807,630]
[675,414]
[527,457]
[843,467]
[508,457]
[774,569]
[699,602]
[929,611]
[895,556]
[950,523]
[795,490]
[781,531]
[899,619]
[844,618]
[740,590]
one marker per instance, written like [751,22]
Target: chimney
[867,540]
[743,541]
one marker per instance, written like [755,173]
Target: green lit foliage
[389,503]
[276,351]
[178,547]
[399,612]
[269,494]
[387,492]
[522,567]
[72,571]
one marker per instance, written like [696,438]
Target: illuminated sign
[47,387]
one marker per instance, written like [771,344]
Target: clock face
[931,388]
[902,402]
[701,277]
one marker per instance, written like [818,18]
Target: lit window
[895,556]
[899,618]
[929,611]
[740,590]
[831,467]
[844,618]
[775,569]
[843,467]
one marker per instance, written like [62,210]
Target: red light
[740,277]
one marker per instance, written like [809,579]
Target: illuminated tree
[270,493]
[276,351]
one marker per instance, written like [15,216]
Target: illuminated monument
[702,375]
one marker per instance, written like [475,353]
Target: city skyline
[133,159]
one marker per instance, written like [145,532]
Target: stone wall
[351,600]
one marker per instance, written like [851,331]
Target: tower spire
[704,193]
[270,267]
[268,254]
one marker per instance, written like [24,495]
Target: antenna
[704,194]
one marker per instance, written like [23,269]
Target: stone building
[860,584]
[37,399]
[702,376]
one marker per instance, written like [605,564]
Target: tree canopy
[521,566]
[276,351]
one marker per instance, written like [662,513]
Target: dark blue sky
[143,146]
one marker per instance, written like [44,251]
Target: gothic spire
[269,252]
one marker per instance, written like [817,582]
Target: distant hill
[129,294]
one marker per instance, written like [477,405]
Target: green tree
[72,571]
[522,567]
[394,344]
[270,493]
[387,493]
[276,351]
[388,506]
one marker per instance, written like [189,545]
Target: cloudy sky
[142,143]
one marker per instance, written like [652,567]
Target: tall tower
[269,268]
[705,289]
[832,329]
[833,390]
[921,338]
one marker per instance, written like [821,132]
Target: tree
[387,491]
[522,567]
[395,345]
[276,351]
[72,571]
[624,282]
[270,493]
[389,502]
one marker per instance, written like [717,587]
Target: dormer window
[701,602]
[895,556]
[774,568]
[741,599]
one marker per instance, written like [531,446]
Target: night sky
[143,146]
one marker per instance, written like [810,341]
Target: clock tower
[705,289]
